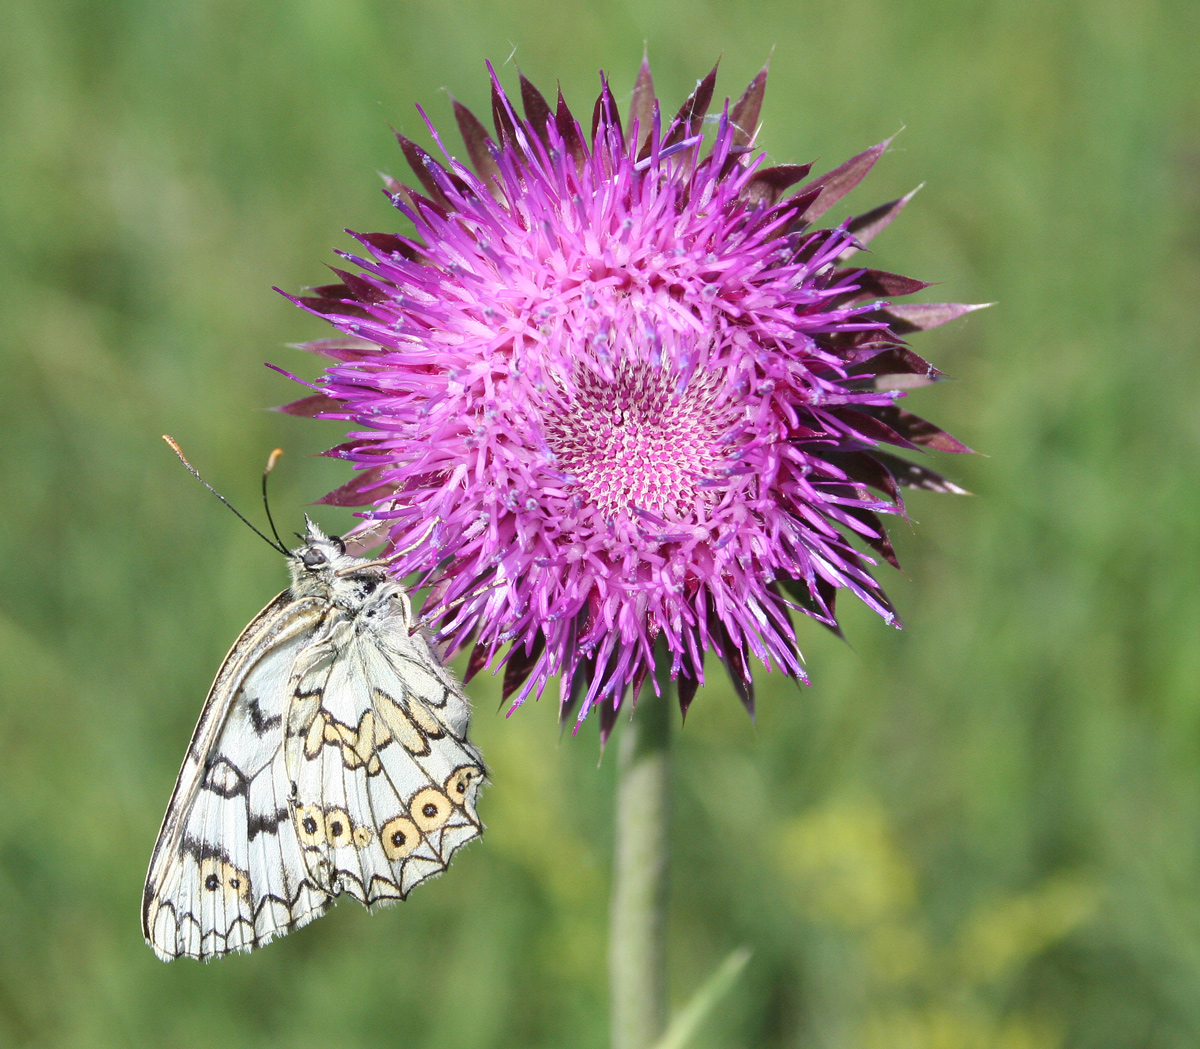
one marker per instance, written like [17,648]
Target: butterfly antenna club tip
[277,544]
[272,459]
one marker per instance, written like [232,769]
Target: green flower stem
[637,954]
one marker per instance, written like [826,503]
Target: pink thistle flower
[617,388]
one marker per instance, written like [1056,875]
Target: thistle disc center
[638,441]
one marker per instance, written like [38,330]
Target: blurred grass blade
[687,1021]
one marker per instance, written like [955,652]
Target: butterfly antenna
[195,473]
[272,459]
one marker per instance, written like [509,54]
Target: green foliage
[979,832]
[690,1020]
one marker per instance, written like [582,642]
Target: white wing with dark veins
[386,781]
[227,871]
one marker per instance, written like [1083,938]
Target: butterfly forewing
[222,875]
[331,756]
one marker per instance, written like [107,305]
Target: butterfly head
[320,565]
[318,550]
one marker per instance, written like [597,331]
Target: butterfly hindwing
[385,789]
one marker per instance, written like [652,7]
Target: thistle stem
[637,953]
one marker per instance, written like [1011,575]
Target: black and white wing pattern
[385,779]
[331,756]
[227,871]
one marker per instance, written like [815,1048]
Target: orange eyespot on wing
[310,825]
[458,783]
[430,809]
[218,876]
[338,831]
[400,837]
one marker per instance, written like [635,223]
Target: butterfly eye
[312,557]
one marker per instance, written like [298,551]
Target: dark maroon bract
[617,388]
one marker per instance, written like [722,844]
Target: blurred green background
[983,831]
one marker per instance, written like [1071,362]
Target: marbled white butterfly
[331,756]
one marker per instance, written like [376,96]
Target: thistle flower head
[618,389]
